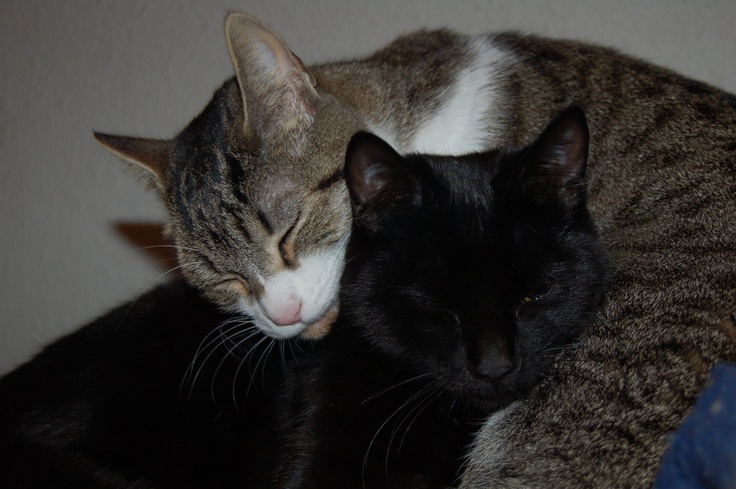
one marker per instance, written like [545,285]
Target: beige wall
[146,67]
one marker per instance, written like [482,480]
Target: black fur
[109,406]
[464,278]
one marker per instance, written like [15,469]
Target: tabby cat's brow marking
[334,179]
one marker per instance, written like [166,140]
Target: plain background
[73,222]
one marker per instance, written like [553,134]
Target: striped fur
[662,191]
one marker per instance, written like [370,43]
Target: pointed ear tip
[576,114]
[362,136]
[357,141]
[236,17]
[107,140]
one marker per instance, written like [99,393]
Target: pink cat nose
[286,314]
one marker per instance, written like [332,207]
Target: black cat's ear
[376,179]
[276,88]
[559,158]
[151,155]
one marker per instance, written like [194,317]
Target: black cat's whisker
[429,396]
[432,394]
[421,392]
[389,389]
[356,255]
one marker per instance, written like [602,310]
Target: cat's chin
[496,400]
[322,326]
[494,394]
[313,330]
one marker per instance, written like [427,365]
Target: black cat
[464,277]
[107,406]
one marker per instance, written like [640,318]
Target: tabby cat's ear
[151,155]
[377,179]
[559,158]
[277,90]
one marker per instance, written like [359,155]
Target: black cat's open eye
[535,294]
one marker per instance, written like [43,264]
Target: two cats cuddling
[468,282]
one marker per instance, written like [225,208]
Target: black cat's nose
[495,361]
[495,368]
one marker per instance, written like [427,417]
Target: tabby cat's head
[479,268]
[257,203]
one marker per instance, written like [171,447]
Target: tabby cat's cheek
[323,326]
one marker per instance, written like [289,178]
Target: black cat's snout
[495,360]
[495,368]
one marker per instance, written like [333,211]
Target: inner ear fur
[277,90]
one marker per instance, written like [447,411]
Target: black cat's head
[476,269]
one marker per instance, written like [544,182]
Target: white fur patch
[487,453]
[465,121]
[314,284]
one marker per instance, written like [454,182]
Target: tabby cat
[467,275]
[662,183]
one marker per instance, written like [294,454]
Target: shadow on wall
[148,238]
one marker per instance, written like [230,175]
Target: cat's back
[430,91]
[111,406]
[662,179]
[660,142]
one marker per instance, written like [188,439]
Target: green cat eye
[535,294]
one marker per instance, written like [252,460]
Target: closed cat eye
[287,246]
[236,284]
[438,310]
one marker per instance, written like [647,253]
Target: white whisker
[384,391]
[418,410]
[211,343]
[175,246]
[248,355]
[248,333]
[424,392]
[148,288]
